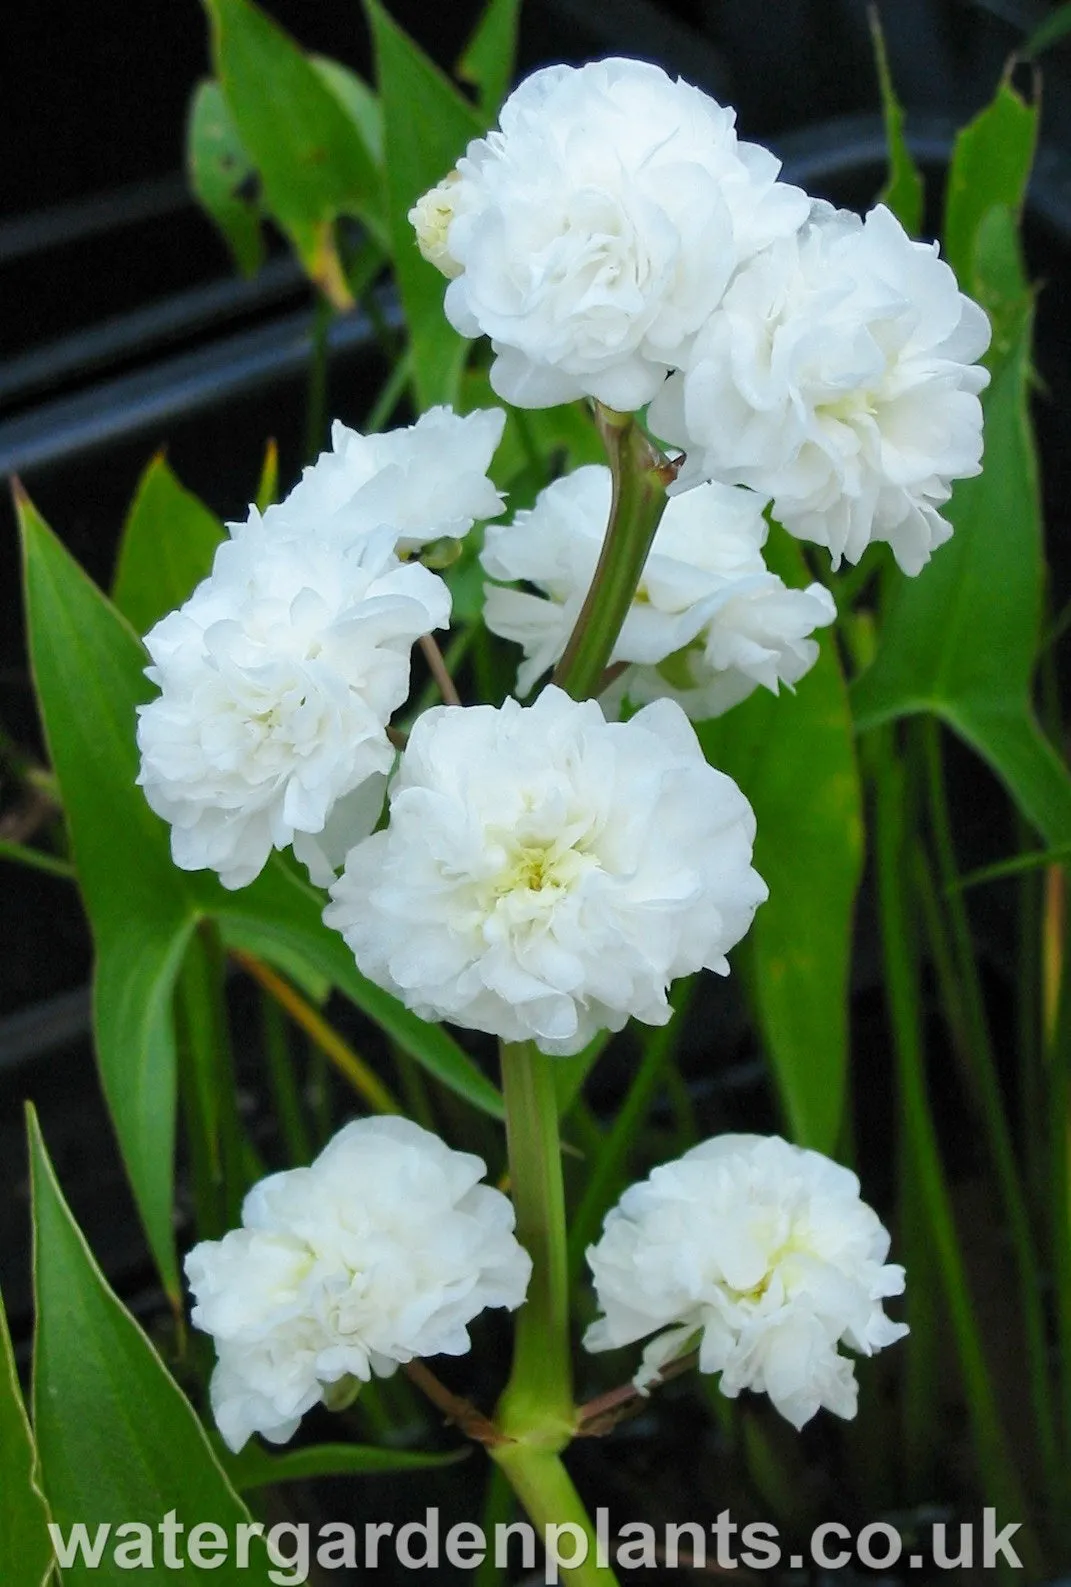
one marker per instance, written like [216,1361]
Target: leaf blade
[254,1468]
[166,548]
[279,913]
[119,1441]
[903,191]
[313,163]
[25,1548]
[991,164]
[427,125]
[223,177]
[793,756]
[487,62]
[986,580]
[88,670]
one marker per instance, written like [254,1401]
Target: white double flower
[709,622]
[385,1249]
[279,675]
[760,1254]
[546,874]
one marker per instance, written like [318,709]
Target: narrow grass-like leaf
[794,758]
[35,859]
[280,914]
[253,1467]
[25,1549]
[223,176]
[1015,865]
[120,1445]
[571,1073]
[609,1169]
[427,125]
[1050,32]
[167,546]
[960,640]
[488,59]
[903,191]
[267,491]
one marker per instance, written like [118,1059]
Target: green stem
[536,1414]
[1029,1046]
[390,394]
[608,1167]
[36,859]
[286,1093]
[923,1154]
[921,1367]
[1059,1132]
[334,1047]
[316,401]
[959,952]
[219,1152]
[544,1487]
[538,1402]
[499,1508]
[640,476]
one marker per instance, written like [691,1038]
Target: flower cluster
[546,874]
[279,675]
[548,870]
[614,238]
[709,622]
[385,1249]
[762,1254]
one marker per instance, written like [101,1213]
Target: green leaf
[223,177]
[139,955]
[1000,282]
[571,1073]
[267,492]
[427,125]
[960,640]
[279,916]
[253,1467]
[903,192]
[991,164]
[25,1549]
[793,756]
[607,1174]
[119,1443]
[490,55]
[87,665]
[167,546]
[543,442]
[357,98]
[35,859]
[1050,32]
[1015,865]
[313,162]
